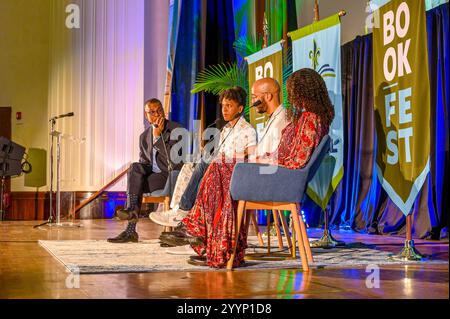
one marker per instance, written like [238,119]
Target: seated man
[151,173]
[266,91]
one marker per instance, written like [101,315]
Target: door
[5,130]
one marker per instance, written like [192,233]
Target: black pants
[141,179]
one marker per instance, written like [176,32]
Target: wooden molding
[35,205]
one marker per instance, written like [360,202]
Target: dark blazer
[146,147]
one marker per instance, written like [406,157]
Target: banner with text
[402,100]
[318,47]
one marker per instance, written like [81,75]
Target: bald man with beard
[267,91]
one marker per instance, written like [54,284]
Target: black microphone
[257,103]
[61,116]
[219,123]
[237,115]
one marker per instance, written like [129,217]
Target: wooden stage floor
[29,271]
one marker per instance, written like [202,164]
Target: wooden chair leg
[277,227]
[166,203]
[294,248]
[166,208]
[286,230]
[237,229]
[298,233]
[255,227]
[305,238]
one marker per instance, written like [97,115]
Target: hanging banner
[318,47]
[402,100]
[267,63]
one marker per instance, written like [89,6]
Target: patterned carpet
[94,257]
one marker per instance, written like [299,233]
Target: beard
[261,110]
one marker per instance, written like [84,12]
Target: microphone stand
[50,220]
[55,134]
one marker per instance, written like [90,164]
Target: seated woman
[209,226]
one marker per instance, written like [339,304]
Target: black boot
[131,212]
[129,235]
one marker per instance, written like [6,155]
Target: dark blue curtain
[359,202]
[218,48]
[186,106]
[220,37]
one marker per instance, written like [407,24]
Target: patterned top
[236,139]
[299,141]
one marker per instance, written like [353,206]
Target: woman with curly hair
[209,226]
[310,116]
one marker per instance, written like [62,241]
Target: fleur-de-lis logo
[314,55]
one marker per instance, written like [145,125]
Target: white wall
[24,63]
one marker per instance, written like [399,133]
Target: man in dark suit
[152,171]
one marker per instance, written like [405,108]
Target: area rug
[95,257]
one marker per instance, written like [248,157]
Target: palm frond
[217,78]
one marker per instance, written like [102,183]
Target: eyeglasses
[154,113]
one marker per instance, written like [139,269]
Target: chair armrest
[267,183]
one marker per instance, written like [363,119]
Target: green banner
[402,100]
[318,46]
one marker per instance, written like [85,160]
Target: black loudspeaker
[11,155]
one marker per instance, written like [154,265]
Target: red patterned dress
[213,216]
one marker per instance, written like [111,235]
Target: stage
[27,270]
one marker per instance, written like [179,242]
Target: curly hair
[307,92]
[236,94]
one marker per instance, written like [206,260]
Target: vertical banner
[318,47]
[174,22]
[267,63]
[402,100]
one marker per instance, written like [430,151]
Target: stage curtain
[220,35]
[438,54]
[186,106]
[96,72]
[359,202]
[216,19]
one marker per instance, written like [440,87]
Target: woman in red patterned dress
[211,220]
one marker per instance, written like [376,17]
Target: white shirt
[237,139]
[270,137]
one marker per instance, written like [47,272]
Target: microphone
[219,123]
[257,103]
[63,115]
[237,115]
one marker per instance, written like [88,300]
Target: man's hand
[157,131]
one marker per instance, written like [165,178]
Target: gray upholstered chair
[162,195]
[258,186]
